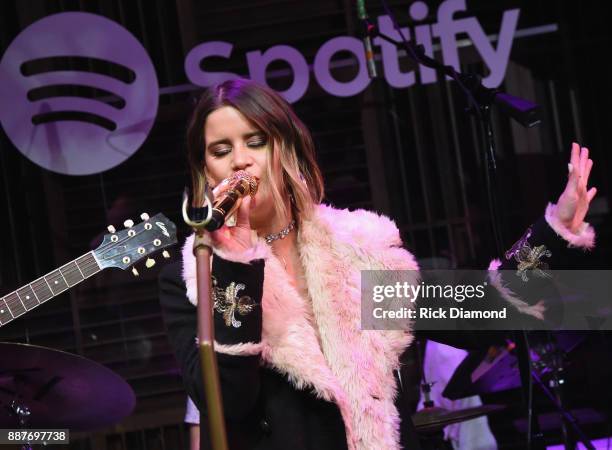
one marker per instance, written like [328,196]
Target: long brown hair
[292,168]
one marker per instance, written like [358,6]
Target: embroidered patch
[227,302]
[528,258]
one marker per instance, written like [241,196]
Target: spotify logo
[78,92]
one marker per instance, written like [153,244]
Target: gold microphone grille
[243,176]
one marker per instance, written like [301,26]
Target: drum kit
[494,370]
[46,388]
[42,388]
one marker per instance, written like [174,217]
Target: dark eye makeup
[259,140]
[253,140]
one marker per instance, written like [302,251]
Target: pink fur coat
[317,342]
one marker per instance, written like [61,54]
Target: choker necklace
[282,234]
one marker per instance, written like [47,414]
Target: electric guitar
[118,249]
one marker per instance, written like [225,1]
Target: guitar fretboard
[45,288]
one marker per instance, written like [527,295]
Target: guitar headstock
[124,248]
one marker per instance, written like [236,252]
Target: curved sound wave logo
[79,93]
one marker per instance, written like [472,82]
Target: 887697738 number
[34,436]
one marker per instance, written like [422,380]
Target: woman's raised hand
[573,204]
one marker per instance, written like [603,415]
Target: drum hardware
[430,421]
[433,419]
[43,388]
[480,373]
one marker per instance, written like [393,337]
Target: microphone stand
[480,100]
[206,331]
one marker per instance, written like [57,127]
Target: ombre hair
[291,169]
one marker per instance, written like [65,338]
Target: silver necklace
[282,234]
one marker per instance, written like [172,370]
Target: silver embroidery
[529,258]
[227,302]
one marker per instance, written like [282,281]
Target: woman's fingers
[242,215]
[573,204]
[575,156]
[584,157]
[237,237]
[220,188]
[579,167]
[574,167]
[587,173]
[591,194]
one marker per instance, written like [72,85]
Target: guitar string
[69,269]
[14,303]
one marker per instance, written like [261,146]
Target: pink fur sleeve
[584,238]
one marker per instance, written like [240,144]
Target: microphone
[367,40]
[240,184]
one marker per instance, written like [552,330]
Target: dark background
[412,154]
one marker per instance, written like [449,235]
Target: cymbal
[60,389]
[430,420]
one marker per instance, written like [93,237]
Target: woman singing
[297,372]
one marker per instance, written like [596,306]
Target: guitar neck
[46,287]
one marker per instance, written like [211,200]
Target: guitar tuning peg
[135,271]
[166,254]
[150,263]
[128,223]
[111,229]
[144,216]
